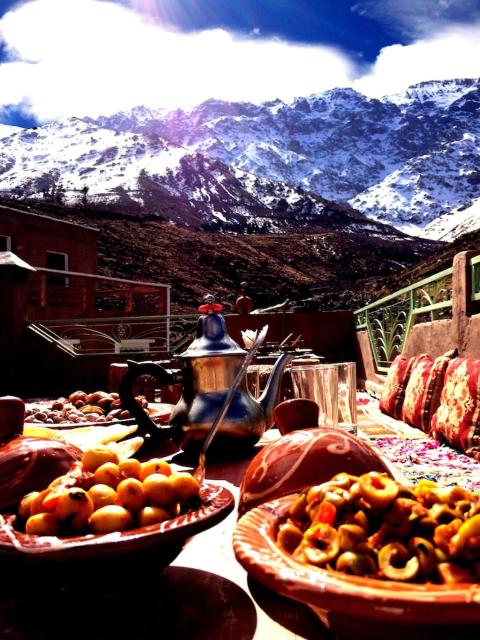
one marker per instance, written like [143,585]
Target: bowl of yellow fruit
[105,506]
[371,557]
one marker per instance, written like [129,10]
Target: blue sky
[61,58]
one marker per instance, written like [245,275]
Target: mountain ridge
[403,160]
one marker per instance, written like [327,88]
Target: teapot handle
[146,426]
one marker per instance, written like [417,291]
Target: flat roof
[9,259]
[47,217]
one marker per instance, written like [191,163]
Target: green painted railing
[475,267]
[389,319]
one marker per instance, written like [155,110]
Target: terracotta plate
[217,502]
[352,606]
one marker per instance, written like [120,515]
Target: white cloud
[452,53]
[76,57]
[418,18]
[84,57]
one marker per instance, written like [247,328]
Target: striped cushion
[416,390]
[393,393]
[424,387]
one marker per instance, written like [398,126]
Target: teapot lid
[212,335]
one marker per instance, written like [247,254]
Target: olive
[343,480]
[467,531]
[425,552]
[451,573]
[442,513]
[351,536]
[359,517]
[320,544]
[315,493]
[463,508]
[355,564]
[378,489]
[395,564]
[298,508]
[289,536]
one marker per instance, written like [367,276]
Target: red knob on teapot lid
[212,336]
[210,305]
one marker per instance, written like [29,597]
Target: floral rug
[413,454]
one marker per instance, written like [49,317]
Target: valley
[323,270]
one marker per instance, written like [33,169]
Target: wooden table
[203,595]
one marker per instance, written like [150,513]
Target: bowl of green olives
[107,507]
[371,557]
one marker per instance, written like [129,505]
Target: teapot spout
[269,397]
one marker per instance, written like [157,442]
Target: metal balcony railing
[153,335]
[388,320]
[56,294]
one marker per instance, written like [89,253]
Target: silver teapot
[208,369]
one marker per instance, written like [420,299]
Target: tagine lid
[212,337]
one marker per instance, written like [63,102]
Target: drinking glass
[318,382]
[347,396]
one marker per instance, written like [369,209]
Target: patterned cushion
[393,392]
[433,389]
[457,419]
[415,390]
[422,395]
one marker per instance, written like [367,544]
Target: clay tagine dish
[303,458]
[354,607]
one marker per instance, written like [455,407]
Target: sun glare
[92,57]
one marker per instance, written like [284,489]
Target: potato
[155,465]
[159,490]
[131,494]
[185,486]
[110,518]
[102,495]
[152,515]
[42,524]
[108,473]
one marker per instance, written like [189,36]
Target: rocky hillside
[314,270]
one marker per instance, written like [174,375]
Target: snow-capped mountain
[452,225]
[404,160]
[426,186]
[78,161]
[7,130]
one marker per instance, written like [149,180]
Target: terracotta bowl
[354,608]
[304,458]
[168,536]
